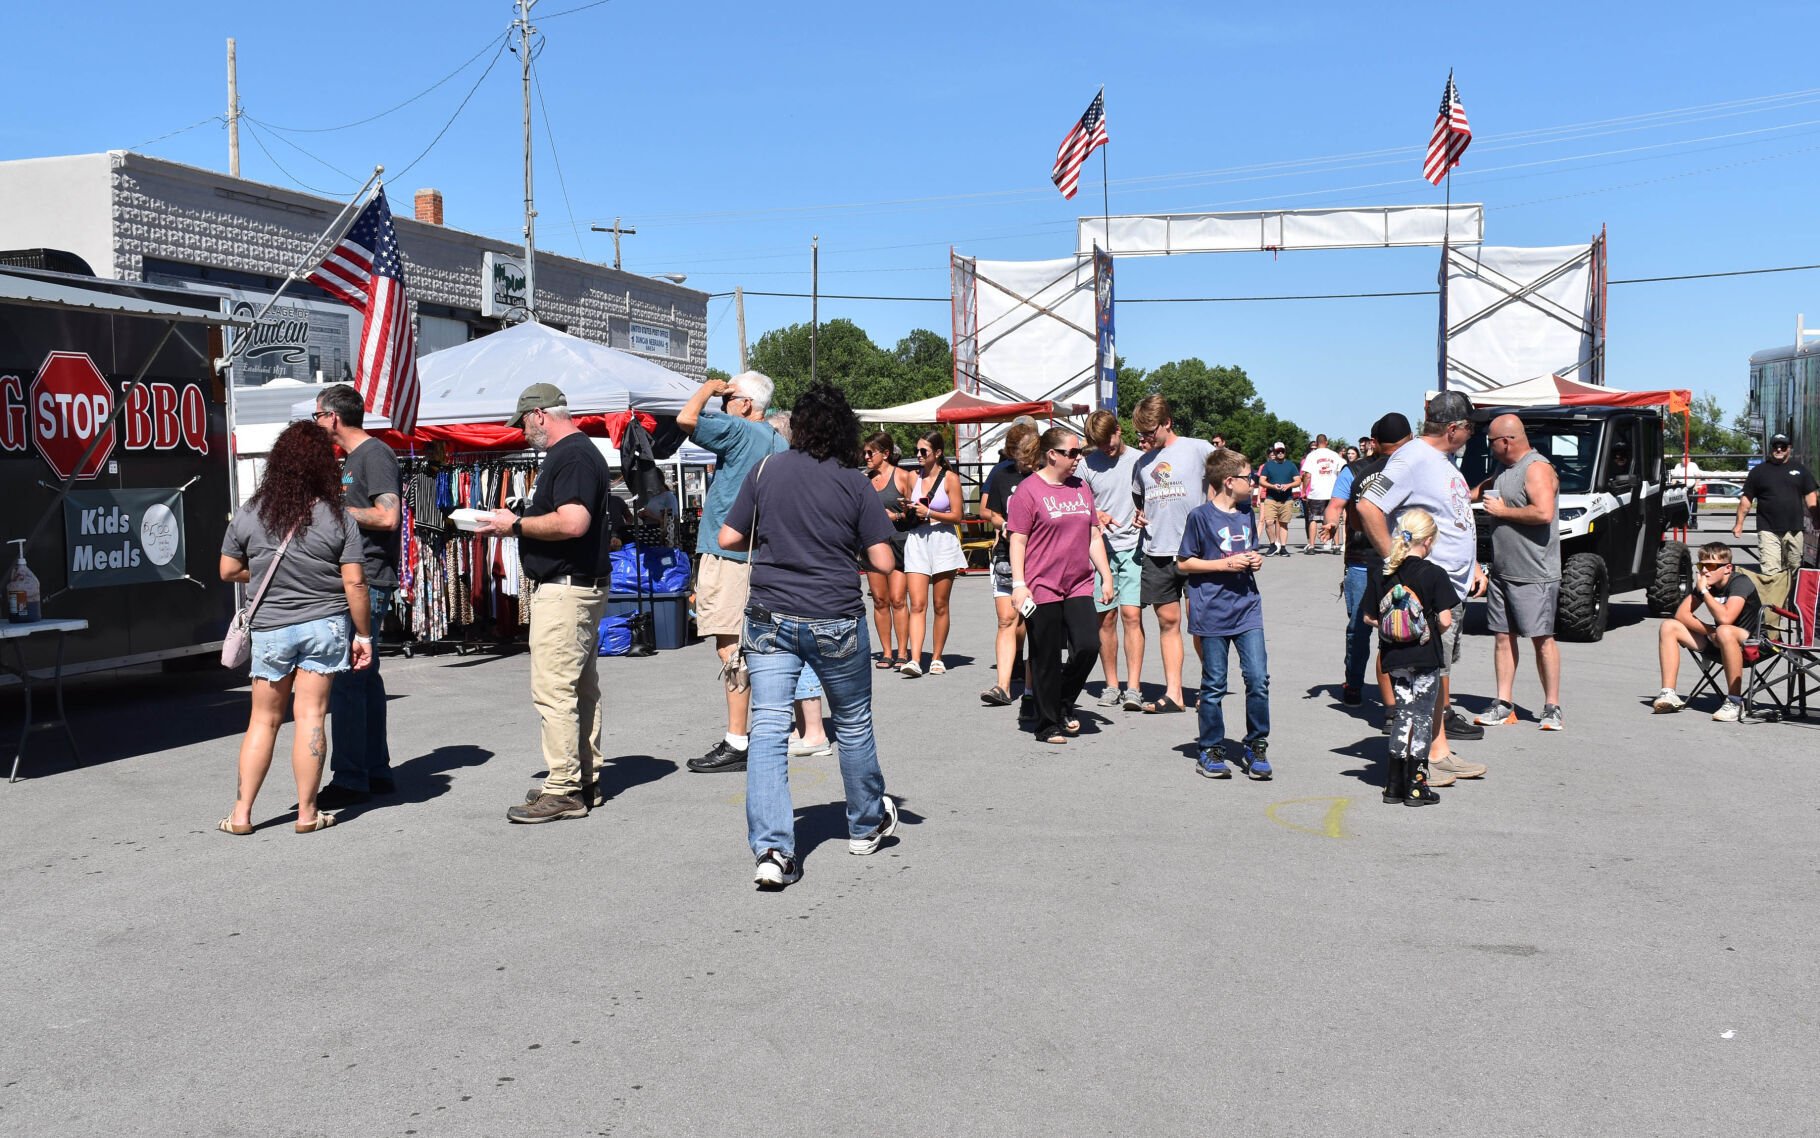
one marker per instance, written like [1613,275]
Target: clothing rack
[459,590]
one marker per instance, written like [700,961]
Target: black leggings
[1073,626]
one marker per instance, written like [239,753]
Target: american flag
[1451,136]
[1087,134]
[363,270]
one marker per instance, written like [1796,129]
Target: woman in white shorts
[932,550]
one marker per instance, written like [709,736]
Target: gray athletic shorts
[1523,608]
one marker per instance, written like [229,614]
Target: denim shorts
[319,645]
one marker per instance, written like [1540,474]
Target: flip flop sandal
[1163,705]
[1072,726]
[886,663]
[323,821]
[937,668]
[226,826]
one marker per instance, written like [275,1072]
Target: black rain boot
[1396,779]
[1416,792]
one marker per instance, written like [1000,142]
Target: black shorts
[1161,581]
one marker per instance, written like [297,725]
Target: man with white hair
[740,439]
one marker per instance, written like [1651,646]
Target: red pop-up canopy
[1552,390]
[959,407]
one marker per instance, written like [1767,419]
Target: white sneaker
[1729,712]
[803,749]
[774,871]
[871,842]
[1668,702]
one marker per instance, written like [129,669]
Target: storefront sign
[649,339]
[297,339]
[123,537]
[502,285]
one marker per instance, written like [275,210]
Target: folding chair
[1772,631]
[1795,664]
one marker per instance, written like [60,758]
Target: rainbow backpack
[1400,616]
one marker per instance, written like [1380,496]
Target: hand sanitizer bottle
[22,596]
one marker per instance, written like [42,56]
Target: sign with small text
[123,537]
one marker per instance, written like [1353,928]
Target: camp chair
[1795,664]
[1771,631]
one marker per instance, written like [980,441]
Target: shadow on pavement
[420,779]
[827,822]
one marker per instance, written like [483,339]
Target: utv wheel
[1673,574]
[1585,598]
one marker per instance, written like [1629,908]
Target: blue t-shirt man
[1221,604]
[738,445]
[1281,472]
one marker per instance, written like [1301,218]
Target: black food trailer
[114,443]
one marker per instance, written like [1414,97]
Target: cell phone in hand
[1028,607]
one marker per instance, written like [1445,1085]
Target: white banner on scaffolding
[1372,227]
[1023,330]
[1516,314]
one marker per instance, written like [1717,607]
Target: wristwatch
[518,527]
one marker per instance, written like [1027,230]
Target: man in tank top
[1525,585]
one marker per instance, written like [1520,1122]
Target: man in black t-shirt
[1784,492]
[1716,618]
[564,541]
[372,492]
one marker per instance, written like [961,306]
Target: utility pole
[615,229]
[815,300]
[739,310]
[233,115]
[523,24]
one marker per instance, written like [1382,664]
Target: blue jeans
[778,649]
[1254,666]
[358,751]
[1358,633]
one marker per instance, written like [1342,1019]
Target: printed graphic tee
[1170,482]
[1057,522]
[1221,604]
[1419,476]
[1322,466]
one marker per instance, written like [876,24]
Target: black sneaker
[1350,696]
[382,786]
[547,808]
[1458,726]
[724,757]
[593,795]
[774,871]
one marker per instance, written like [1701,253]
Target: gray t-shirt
[370,471]
[307,583]
[1110,479]
[1419,476]
[1523,553]
[1171,482]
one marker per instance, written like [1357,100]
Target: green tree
[1206,400]
[1708,433]
[718,373]
[919,366]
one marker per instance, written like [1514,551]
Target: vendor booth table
[14,636]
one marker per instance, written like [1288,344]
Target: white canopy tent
[479,381]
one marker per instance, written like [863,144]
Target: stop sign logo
[72,404]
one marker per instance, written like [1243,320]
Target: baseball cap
[537,397]
[1278,446]
[1779,440]
[1392,428]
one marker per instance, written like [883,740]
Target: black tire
[1673,573]
[1585,602]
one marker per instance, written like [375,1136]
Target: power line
[175,133]
[572,11]
[549,134]
[307,154]
[382,114]
[255,132]
[1299,296]
[503,41]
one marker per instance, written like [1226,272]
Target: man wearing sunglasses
[1167,484]
[1785,494]
[1716,618]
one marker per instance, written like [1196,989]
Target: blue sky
[730,133]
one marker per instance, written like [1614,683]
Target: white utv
[1616,508]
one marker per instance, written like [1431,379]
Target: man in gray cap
[564,543]
[1784,492]
[1422,475]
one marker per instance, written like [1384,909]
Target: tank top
[939,502]
[1524,553]
[890,497]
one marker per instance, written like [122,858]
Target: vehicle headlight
[1572,512]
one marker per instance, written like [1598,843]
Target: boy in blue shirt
[1219,553]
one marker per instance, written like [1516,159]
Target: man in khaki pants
[1784,492]
[564,543]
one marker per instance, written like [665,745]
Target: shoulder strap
[253,606]
[752,539]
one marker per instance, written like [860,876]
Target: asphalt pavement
[1612,933]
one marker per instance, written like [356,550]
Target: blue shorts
[319,645]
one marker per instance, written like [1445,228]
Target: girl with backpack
[1411,602]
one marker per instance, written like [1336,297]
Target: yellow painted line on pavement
[1333,824]
[802,775]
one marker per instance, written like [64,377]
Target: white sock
[737,742]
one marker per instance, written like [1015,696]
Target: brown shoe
[548,808]
[1457,767]
[593,796]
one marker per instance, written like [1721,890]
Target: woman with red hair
[294,540]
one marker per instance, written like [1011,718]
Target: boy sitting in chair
[1717,617]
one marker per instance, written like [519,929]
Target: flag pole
[337,228]
[1446,232]
[1105,180]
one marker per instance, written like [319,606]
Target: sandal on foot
[995,697]
[1055,740]
[1163,705]
[1072,726]
[227,826]
[937,668]
[322,822]
[885,663]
